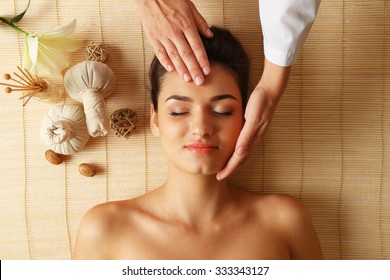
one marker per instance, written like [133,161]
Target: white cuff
[286,25]
[280,57]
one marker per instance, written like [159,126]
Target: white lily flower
[44,49]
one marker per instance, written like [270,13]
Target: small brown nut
[87,170]
[53,157]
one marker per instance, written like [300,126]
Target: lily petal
[58,31]
[64,44]
[32,47]
[44,49]
[49,61]
[27,63]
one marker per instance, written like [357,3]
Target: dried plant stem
[19,82]
[29,95]
[21,78]
[28,75]
[27,83]
[24,89]
[17,86]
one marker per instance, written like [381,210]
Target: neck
[192,198]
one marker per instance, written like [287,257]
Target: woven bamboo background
[328,144]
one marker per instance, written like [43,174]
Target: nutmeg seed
[53,157]
[87,170]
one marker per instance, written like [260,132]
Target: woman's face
[198,125]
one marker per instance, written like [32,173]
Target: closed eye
[175,114]
[229,113]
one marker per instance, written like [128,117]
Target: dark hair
[223,48]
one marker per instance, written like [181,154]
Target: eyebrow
[189,99]
[223,96]
[180,98]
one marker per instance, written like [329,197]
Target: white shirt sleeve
[285,25]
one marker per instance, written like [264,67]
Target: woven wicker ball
[96,52]
[123,122]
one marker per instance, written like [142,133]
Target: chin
[205,169]
[203,165]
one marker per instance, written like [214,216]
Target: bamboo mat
[328,144]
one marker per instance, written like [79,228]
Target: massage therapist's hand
[173,27]
[258,114]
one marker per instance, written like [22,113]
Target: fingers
[183,49]
[195,58]
[234,162]
[173,28]
[186,55]
[201,23]
[196,43]
[162,56]
[179,56]
[171,58]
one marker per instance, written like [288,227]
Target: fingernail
[198,80]
[240,151]
[186,77]
[206,70]
[169,68]
[210,33]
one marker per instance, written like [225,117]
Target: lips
[201,148]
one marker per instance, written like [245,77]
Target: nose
[202,124]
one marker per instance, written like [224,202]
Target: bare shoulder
[288,217]
[97,229]
[285,208]
[279,206]
[101,217]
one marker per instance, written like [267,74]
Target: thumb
[246,138]
[241,152]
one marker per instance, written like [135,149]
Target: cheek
[232,133]
[170,131]
[237,125]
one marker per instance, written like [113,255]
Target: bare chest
[228,243]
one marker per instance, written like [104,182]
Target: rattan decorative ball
[123,122]
[96,52]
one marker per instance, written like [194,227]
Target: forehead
[219,81]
